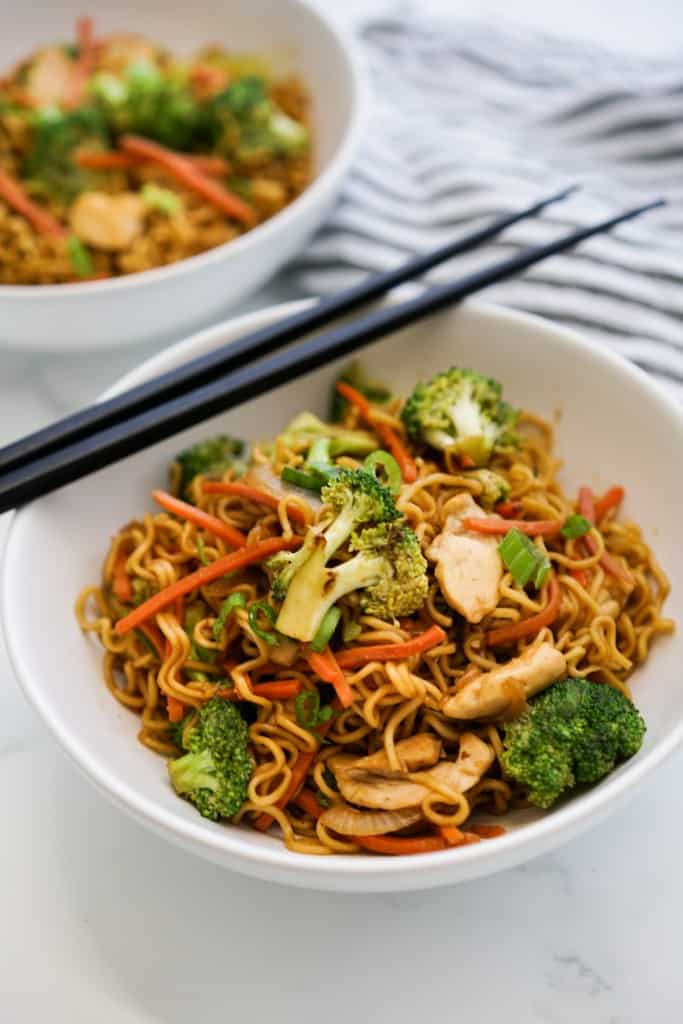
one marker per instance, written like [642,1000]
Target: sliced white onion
[347,821]
[261,475]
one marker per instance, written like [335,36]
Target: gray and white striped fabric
[470,121]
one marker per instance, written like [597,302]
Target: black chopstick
[204,369]
[113,443]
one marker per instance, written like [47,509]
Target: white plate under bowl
[169,302]
[614,425]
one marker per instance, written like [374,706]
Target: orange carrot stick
[327,667]
[280,689]
[586,506]
[255,494]
[84,64]
[496,527]
[452,835]
[121,582]
[14,195]
[488,831]
[357,656]
[384,431]
[112,159]
[527,627]
[154,635]
[613,497]
[398,845]
[200,518]
[175,708]
[580,575]
[508,509]
[228,563]
[306,800]
[192,178]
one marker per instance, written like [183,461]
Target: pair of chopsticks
[258,362]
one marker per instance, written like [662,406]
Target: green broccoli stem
[316,588]
[193,771]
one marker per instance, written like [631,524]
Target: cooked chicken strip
[390,792]
[487,695]
[468,566]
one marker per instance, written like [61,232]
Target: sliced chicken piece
[474,759]
[391,792]
[109,222]
[49,77]
[490,693]
[419,751]
[348,821]
[468,566]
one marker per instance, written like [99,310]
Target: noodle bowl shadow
[613,425]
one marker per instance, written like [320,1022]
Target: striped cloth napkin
[469,121]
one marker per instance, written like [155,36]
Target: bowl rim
[224,845]
[340,161]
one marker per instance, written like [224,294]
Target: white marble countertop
[101,921]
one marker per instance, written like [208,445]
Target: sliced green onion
[575,526]
[524,559]
[309,713]
[80,258]
[201,551]
[319,452]
[267,610]
[309,480]
[390,471]
[232,601]
[330,778]
[162,199]
[147,642]
[326,630]
[323,801]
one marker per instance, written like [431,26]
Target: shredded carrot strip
[307,802]
[586,506]
[527,627]
[121,582]
[280,689]
[295,512]
[470,837]
[466,461]
[580,575]
[15,196]
[508,509]
[397,845]
[496,527]
[154,635]
[200,518]
[613,497]
[386,433]
[327,667]
[192,178]
[206,574]
[488,831]
[111,160]
[84,65]
[357,656]
[452,835]
[176,708]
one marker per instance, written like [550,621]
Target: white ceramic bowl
[615,426]
[169,302]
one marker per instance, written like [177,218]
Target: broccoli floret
[572,734]
[144,101]
[211,458]
[354,375]
[215,773]
[461,411]
[495,487]
[388,567]
[54,136]
[306,428]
